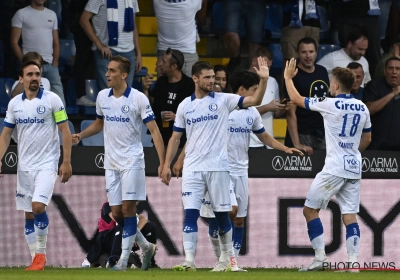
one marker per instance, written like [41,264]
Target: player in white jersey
[204,117]
[120,112]
[36,113]
[241,124]
[348,132]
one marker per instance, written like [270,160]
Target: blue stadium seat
[71,128]
[142,73]
[324,49]
[67,54]
[55,6]
[323,19]
[70,98]
[1,124]
[95,140]
[8,85]
[277,63]
[4,98]
[146,138]
[91,93]
[273,20]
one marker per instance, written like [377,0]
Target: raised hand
[290,69]
[263,70]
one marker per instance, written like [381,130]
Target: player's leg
[44,181]
[349,202]
[23,200]
[240,188]
[322,189]
[207,212]
[149,232]
[219,191]
[193,191]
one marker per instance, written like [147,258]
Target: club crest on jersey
[249,120]
[213,107]
[125,109]
[41,109]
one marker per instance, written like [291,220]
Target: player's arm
[158,143]
[290,72]
[56,48]
[294,132]
[92,129]
[65,168]
[5,139]
[364,142]
[263,73]
[15,35]
[173,145]
[178,166]
[273,143]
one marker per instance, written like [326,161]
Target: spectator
[122,39]
[357,90]
[306,25]
[356,46]
[18,87]
[381,96]
[270,107]
[38,27]
[362,15]
[395,51]
[177,28]
[253,12]
[222,78]
[108,240]
[306,128]
[84,59]
[169,90]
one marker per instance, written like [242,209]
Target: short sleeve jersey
[345,119]
[123,118]
[206,123]
[241,125]
[36,122]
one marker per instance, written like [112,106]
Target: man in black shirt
[169,90]
[306,128]
[381,96]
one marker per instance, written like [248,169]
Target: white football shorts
[195,184]
[128,184]
[34,186]
[326,185]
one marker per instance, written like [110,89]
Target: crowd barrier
[276,234]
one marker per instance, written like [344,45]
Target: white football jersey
[206,123]
[123,119]
[36,122]
[241,125]
[345,119]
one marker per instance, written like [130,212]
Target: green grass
[168,274]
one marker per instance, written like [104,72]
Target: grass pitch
[200,274]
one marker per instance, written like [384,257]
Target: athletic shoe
[221,267]
[38,262]
[146,256]
[351,266]
[135,260]
[85,263]
[85,101]
[316,265]
[234,266]
[185,266]
[120,266]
